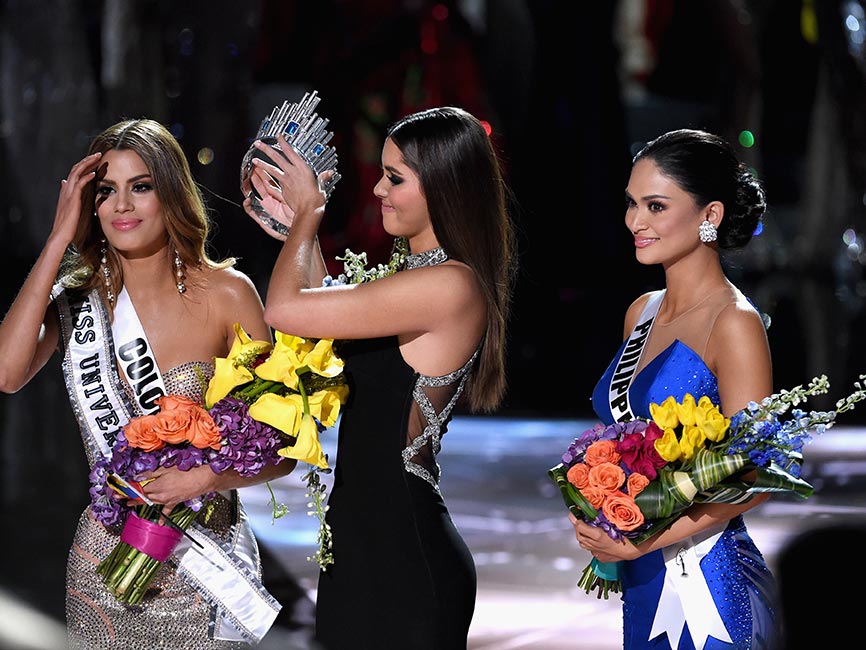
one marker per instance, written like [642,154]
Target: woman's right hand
[298,187]
[271,201]
[69,202]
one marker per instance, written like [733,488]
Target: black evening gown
[402,575]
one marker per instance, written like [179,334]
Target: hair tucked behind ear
[706,166]
[461,178]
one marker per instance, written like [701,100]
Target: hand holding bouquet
[264,403]
[633,479]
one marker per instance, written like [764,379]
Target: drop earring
[106,273]
[178,271]
[707,231]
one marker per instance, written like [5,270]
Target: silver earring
[106,273]
[178,271]
[707,232]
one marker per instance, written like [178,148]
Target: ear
[714,212]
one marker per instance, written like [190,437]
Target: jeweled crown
[306,133]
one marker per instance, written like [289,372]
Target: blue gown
[738,578]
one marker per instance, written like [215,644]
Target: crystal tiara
[305,132]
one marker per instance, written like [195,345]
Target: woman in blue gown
[701,582]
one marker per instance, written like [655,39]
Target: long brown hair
[466,195]
[186,218]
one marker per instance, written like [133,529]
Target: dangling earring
[178,270]
[106,273]
[707,231]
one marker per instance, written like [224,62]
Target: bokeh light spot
[747,139]
[439,12]
[205,156]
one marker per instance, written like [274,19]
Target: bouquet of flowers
[264,403]
[633,479]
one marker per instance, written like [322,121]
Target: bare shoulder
[228,284]
[739,320]
[635,309]
[234,298]
[455,279]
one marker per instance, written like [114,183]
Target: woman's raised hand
[69,202]
[299,188]
[270,199]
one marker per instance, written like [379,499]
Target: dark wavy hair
[186,218]
[461,179]
[706,166]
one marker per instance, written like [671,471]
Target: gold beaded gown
[173,614]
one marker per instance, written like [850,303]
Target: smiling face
[127,205]
[404,208]
[663,217]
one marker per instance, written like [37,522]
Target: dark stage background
[571,90]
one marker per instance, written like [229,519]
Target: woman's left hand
[599,543]
[171,486]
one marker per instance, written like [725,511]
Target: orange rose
[621,510]
[636,483]
[594,495]
[173,425]
[203,431]
[578,475]
[140,433]
[607,477]
[601,451]
[172,402]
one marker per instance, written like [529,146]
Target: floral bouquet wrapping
[633,479]
[264,403]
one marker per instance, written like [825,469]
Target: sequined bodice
[187,380]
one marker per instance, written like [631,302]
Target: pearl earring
[178,270]
[106,274]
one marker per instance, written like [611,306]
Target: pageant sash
[620,407]
[685,594]
[96,392]
[226,576]
[245,611]
[135,355]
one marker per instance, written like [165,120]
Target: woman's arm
[28,333]
[738,354]
[408,303]
[697,518]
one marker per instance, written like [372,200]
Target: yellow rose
[711,421]
[668,447]
[665,414]
[691,440]
[686,410]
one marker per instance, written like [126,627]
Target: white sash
[135,355]
[620,407]
[226,576]
[686,595]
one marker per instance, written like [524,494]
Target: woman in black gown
[415,344]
